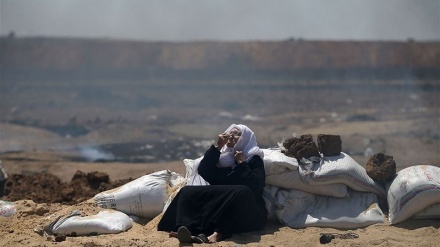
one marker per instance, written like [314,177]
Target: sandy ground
[20,229]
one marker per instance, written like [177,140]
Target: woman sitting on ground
[232,203]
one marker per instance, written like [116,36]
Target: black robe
[232,203]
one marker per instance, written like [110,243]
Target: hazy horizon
[243,20]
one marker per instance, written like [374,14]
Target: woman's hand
[239,157]
[221,140]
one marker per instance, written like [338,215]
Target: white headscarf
[247,143]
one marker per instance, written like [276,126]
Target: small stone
[60,238]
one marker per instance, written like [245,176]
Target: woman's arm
[250,173]
[208,167]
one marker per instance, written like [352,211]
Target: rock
[297,145]
[381,167]
[308,149]
[289,142]
[329,145]
[60,238]
[302,147]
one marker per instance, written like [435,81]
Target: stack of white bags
[144,197]
[337,192]
[323,191]
[326,192]
[331,192]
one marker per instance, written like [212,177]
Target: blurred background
[156,81]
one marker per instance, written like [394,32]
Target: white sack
[339,169]
[269,193]
[414,189]
[192,177]
[105,222]
[143,197]
[431,212]
[291,180]
[298,209]
[281,171]
[276,162]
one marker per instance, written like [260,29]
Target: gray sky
[174,20]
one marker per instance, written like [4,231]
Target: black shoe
[184,235]
[200,239]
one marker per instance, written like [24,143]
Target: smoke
[93,153]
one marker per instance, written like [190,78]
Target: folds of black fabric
[203,209]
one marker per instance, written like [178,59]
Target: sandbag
[291,180]
[298,209]
[105,222]
[431,212]
[281,171]
[269,192]
[276,162]
[143,197]
[413,189]
[339,169]
[192,177]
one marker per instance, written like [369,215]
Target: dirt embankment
[100,57]
[48,188]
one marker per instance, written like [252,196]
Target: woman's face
[233,137]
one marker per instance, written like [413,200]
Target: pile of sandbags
[321,169]
[320,186]
[306,188]
[144,197]
[333,191]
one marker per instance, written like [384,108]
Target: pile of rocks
[305,147]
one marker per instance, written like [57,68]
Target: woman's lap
[227,208]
